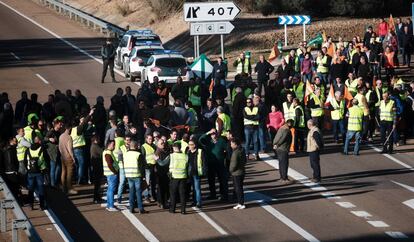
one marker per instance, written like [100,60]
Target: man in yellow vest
[388,120]
[316,105]
[121,147]
[22,146]
[298,88]
[352,84]
[288,109]
[242,65]
[134,170]
[299,125]
[79,143]
[179,174]
[32,130]
[363,103]
[111,170]
[147,150]
[355,117]
[378,90]
[36,166]
[197,166]
[223,122]
[251,127]
[322,66]
[337,108]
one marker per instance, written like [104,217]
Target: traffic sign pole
[285,35]
[195,47]
[304,32]
[222,46]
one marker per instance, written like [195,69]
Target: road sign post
[210,18]
[294,20]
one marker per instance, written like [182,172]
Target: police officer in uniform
[108,56]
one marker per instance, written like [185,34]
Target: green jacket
[237,162]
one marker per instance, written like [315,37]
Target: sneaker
[72,192]
[242,206]
[147,201]
[112,209]
[237,206]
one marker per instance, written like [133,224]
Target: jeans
[338,125]
[55,169]
[299,140]
[197,189]
[386,128]
[349,136]
[262,137]
[314,159]
[307,77]
[406,56]
[323,77]
[238,188]
[135,192]
[152,183]
[112,183]
[35,183]
[121,184]
[283,157]
[80,162]
[251,133]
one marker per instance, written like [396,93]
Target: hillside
[253,31]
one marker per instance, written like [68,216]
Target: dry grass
[124,9]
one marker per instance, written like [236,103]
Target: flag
[391,24]
[324,36]
[308,91]
[274,53]
[348,96]
[331,95]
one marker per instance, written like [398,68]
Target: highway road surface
[362,198]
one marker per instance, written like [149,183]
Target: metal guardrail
[89,20]
[20,221]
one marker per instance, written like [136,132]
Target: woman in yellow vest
[179,175]
[196,163]
[355,117]
[134,170]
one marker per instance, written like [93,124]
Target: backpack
[33,165]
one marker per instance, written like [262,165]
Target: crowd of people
[163,151]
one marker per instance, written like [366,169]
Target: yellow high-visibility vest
[20,149]
[77,140]
[107,171]
[243,68]
[301,118]
[252,111]
[178,165]
[320,64]
[339,110]
[355,118]
[316,112]
[386,112]
[149,154]
[288,112]
[131,164]
[226,123]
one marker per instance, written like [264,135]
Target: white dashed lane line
[43,79]
[15,56]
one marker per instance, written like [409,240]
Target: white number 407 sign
[210,11]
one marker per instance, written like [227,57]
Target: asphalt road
[361,197]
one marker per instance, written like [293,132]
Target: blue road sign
[294,19]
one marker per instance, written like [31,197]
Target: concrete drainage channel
[84,18]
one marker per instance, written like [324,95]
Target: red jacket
[275,120]
[383,29]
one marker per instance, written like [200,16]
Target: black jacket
[219,71]
[263,70]
[108,52]
[10,162]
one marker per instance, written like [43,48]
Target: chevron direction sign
[294,19]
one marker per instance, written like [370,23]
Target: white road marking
[56,223]
[210,221]
[346,204]
[409,188]
[378,224]
[362,214]
[59,37]
[409,203]
[138,225]
[396,235]
[42,78]
[15,56]
[330,195]
[262,199]
[392,158]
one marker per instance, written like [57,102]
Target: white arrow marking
[409,203]
[307,19]
[290,19]
[298,19]
[282,20]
